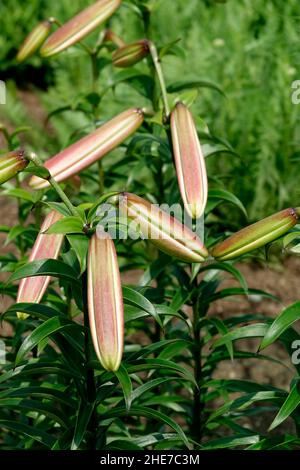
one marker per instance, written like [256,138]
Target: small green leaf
[135,298]
[187,84]
[21,194]
[48,267]
[216,196]
[80,244]
[41,172]
[66,225]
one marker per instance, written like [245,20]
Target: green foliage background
[248,47]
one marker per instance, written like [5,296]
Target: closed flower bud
[10,164]
[110,36]
[130,54]
[79,26]
[255,235]
[34,40]
[189,161]
[91,148]
[32,289]
[163,230]
[105,302]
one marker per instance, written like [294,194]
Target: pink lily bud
[91,148]
[34,40]
[189,161]
[111,36]
[163,230]
[256,235]
[130,54]
[32,289]
[11,164]
[105,302]
[79,26]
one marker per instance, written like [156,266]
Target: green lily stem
[55,21]
[197,399]
[90,377]
[37,162]
[160,76]
[101,177]
[95,70]
[63,197]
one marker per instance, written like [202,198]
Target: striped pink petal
[79,26]
[88,150]
[32,289]
[105,302]
[189,161]
[163,230]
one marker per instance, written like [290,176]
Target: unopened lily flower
[130,54]
[111,36]
[79,26]
[189,161]
[34,40]
[166,232]
[105,302]
[11,164]
[256,235]
[91,148]
[46,246]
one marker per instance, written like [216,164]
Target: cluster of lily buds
[34,40]
[105,302]
[256,235]
[166,232]
[11,164]
[46,246]
[189,161]
[79,26]
[130,54]
[91,148]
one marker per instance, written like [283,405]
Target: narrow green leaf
[126,384]
[290,404]
[196,83]
[80,244]
[30,431]
[137,392]
[135,298]
[151,414]
[48,267]
[217,195]
[66,225]
[248,331]
[43,331]
[83,418]
[231,441]
[281,323]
